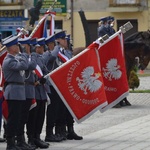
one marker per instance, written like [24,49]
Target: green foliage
[133,80]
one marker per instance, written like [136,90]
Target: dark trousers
[14,117]
[24,114]
[1,100]
[61,113]
[57,112]
[69,119]
[52,109]
[36,118]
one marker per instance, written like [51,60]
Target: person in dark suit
[14,66]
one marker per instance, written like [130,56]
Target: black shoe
[22,144]
[41,144]
[117,106]
[13,148]
[53,138]
[122,103]
[127,102]
[31,142]
[25,146]
[11,144]
[74,136]
[2,140]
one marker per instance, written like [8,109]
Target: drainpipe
[72,20]
[148,14]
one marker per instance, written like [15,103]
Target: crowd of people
[23,87]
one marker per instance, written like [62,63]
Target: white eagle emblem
[112,70]
[89,80]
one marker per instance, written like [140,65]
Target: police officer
[30,92]
[14,66]
[52,109]
[103,29]
[111,25]
[64,116]
[37,115]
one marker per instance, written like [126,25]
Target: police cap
[11,41]
[50,39]
[26,40]
[41,41]
[61,34]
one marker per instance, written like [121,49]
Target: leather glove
[42,80]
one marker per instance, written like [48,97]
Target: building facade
[14,13]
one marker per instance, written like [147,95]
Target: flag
[79,83]
[3,101]
[63,57]
[38,32]
[38,71]
[45,28]
[33,104]
[5,110]
[52,23]
[3,54]
[113,70]
[41,28]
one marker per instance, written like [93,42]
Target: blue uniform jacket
[30,77]
[14,73]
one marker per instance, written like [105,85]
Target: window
[126,1]
[11,2]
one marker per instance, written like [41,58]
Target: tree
[134,81]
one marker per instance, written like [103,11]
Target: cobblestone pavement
[126,128]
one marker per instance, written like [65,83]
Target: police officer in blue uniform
[111,25]
[52,108]
[103,28]
[37,115]
[64,117]
[30,91]
[14,66]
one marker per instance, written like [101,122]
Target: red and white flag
[33,104]
[4,102]
[38,71]
[40,29]
[2,56]
[63,57]
[79,83]
[52,23]
[113,70]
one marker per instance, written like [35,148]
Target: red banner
[2,56]
[114,70]
[80,84]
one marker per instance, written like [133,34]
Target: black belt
[17,83]
[29,83]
